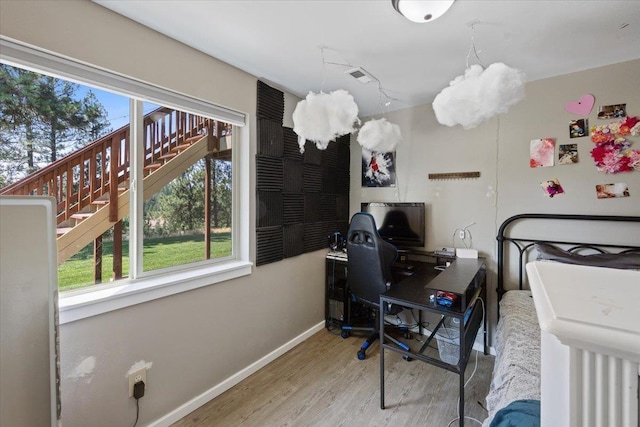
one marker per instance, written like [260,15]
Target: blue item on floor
[519,413]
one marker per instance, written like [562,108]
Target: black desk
[464,277]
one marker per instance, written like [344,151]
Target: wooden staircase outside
[90,185]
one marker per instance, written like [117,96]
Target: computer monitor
[402,224]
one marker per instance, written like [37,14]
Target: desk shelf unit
[336,307]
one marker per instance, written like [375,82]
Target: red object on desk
[446,298]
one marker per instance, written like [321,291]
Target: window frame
[140,286]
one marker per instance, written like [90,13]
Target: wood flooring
[321,382]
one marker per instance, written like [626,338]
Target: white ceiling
[280,41]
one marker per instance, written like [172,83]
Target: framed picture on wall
[378,169]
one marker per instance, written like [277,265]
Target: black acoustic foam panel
[270,138]
[312,155]
[270,103]
[342,227]
[342,181]
[342,207]
[329,179]
[269,173]
[315,237]
[330,156]
[293,182]
[328,207]
[344,154]
[293,208]
[312,178]
[312,207]
[269,245]
[291,147]
[293,240]
[269,210]
[329,227]
[300,198]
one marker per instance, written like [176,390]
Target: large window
[188,190]
[146,198]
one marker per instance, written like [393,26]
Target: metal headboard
[523,244]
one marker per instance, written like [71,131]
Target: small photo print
[612,111]
[578,128]
[552,187]
[568,154]
[541,152]
[610,191]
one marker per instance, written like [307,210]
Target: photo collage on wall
[611,154]
[541,155]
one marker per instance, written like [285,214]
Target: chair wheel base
[407,358]
[344,334]
[361,355]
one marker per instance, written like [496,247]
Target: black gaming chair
[369,272]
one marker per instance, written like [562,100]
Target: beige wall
[499,149]
[196,339]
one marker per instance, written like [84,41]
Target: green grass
[161,252]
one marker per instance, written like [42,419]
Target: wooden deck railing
[92,174]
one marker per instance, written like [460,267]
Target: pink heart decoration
[581,107]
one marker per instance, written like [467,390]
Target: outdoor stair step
[153,166]
[180,147]
[63,230]
[100,202]
[192,139]
[82,215]
[167,156]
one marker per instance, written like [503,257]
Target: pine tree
[43,118]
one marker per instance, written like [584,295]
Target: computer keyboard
[402,266]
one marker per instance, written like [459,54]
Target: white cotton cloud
[479,95]
[323,117]
[380,136]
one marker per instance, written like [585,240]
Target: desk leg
[486,339]
[463,368]
[461,403]
[381,330]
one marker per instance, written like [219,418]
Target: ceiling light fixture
[421,10]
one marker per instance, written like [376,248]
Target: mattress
[516,372]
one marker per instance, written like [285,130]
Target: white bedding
[516,373]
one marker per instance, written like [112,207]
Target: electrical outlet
[137,376]
[462,234]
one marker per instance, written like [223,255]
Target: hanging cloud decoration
[323,117]
[479,95]
[380,136]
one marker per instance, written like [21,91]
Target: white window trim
[16,53]
[130,292]
[127,292]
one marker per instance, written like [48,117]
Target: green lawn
[162,252]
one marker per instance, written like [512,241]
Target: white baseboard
[213,392]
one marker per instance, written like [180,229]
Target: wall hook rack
[454,175]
